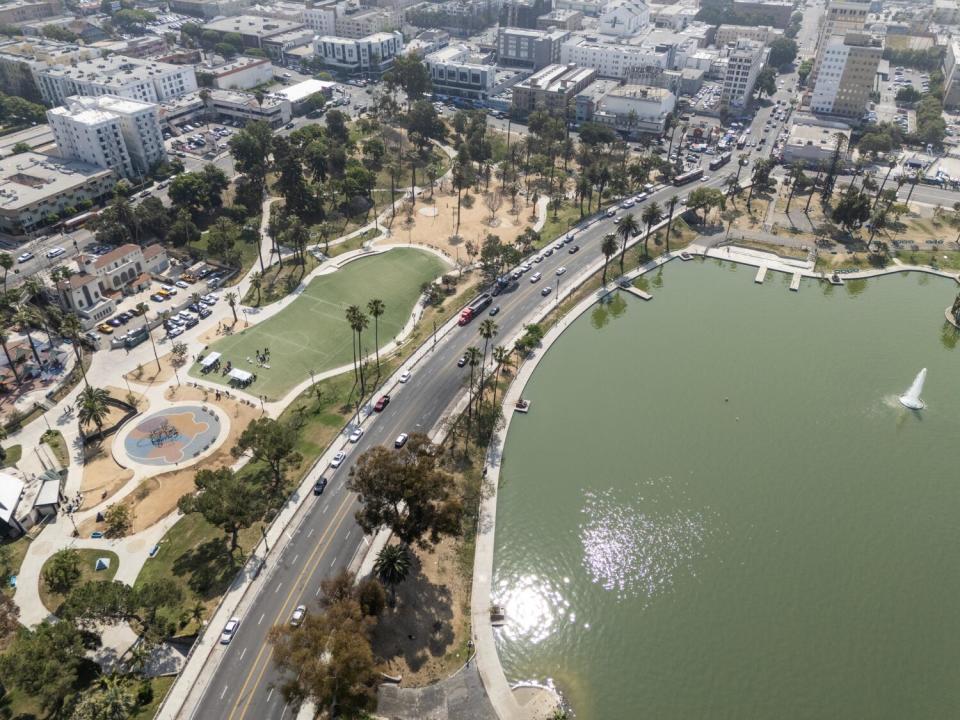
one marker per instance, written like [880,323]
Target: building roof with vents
[29,177]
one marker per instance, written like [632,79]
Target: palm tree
[6,262]
[358,322]
[92,407]
[608,247]
[72,329]
[256,282]
[473,359]
[501,356]
[24,318]
[4,338]
[376,308]
[796,172]
[583,189]
[142,309]
[392,566]
[231,298]
[115,698]
[671,203]
[351,314]
[488,330]
[627,228]
[652,214]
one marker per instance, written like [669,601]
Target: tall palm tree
[72,329]
[796,172]
[231,298]
[24,318]
[608,247]
[142,309]
[115,699]
[501,356]
[92,407]
[671,204]
[473,359]
[256,282]
[376,308]
[6,262]
[392,567]
[627,228]
[652,214]
[4,338]
[583,189]
[488,330]
[351,315]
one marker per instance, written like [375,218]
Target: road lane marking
[243,653]
[225,687]
[269,694]
[309,567]
[311,532]
[261,619]
[333,561]
[294,561]
[278,588]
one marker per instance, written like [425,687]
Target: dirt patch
[102,476]
[439,231]
[424,638]
[148,374]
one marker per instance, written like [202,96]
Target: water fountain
[911,399]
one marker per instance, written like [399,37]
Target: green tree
[112,699]
[146,606]
[411,75]
[231,298]
[608,247]
[225,499]
[376,308]
[118,520]
[270,442]
[766,82]
[852,210]
[627,228]
[182,230]
[783,51]
[407,491]
[92,407]
[804,70]
[671,204]
[44,663]
[62,571]
[652,214]
[392,566]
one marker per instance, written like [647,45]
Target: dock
[761,274]
[638,292]
[795,282]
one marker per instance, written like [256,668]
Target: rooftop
[10,490]
[303,90]
[640,91]
[113,70]
[554,78]
[233,66]
[253,25]
[30,177]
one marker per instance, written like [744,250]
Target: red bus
[688,177]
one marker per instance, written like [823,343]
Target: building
[623,18]
[109,132]
[727,34]
[123,267]
[587,100]
[951,74]
[813,141]
[766,12]
[321,17]
[427,42]
[552,89]
[560,20]
[456,71]
[745,60]
[589,8]
[131,78]
[35,188]
[290,47]
[635,110]
[254,31]
[278,9]
[241,73]
[519,47]
[372,54]
[840,17]
[356,22]
[11,490]
[22,11]
[300,92]
[81,295]
[234,105]
[523,13]
[614,60]
[847,76]
[208,9]
[946,12]
[673,17]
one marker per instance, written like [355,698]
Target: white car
[55,252]
[570,235]
[405,376]
[356,435]
[536,277]
[561,270]
[538,259]
[401,440]
[629,203]
[298,615]
[229,630]
[174,332]
[338,459]
[181,284]
[23,257]
[526,267]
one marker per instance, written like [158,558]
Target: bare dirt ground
[424,638]
[148,373]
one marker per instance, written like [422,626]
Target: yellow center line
[308,569]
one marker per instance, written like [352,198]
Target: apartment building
[456,71]
[636,110]
[523,13]
[520,47]
[560,20]
[614,60]
[951,74]
[745,59]
[110,132]
[760,33]
[355,22]
[131,78]
[208,9]
[840,17]
[239,74]
[371,54]
[623,18]
[847,76]
[274,109]
[767,12]
[552,89]
[21,11]
[253,30]
[321,17]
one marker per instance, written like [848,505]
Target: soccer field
[313,334]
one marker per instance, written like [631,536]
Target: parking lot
[198,140]
[886,110]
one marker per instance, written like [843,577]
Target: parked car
[462,361]
[536,277]
[575,248]
[105,329]
[401,440]
[381,403]
[495,310]
[338,459]
[561,270]
[356,435]
[229,630]
[320,486]
[546,291]
[404,376]
[182,284]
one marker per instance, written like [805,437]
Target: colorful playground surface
[173,435]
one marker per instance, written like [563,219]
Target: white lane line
[278,588]
[317,593]
[261,619]
[295,558]
[243,653]
[333,561]
[284,711]
[269,694]
[224,691]
[311,532]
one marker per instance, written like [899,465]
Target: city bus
[719,161]
[688,177]
[742,142]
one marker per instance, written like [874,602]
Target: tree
[251,151]
[392,566]
[44,663]
[92,407]
[225,499]
[766,82]
[627,228]
[652,214]
[783,51]
[24,317]
[117,518]
[183,231]
[142,310]
[406,491]
[270,442]
[671,204]
[6,262]
[410,74]
[358,323]
[62,571]
[907,95]
[852,210]
[9,616]
[112,699]
[328,659]
[376,308]
[231,298]
[804,70]
[256,282]
[94,603]
[608,247]
[704,198]
[830,178]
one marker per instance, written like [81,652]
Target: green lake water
[717,508]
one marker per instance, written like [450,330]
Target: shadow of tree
[210,567]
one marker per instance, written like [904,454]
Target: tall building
[951,74]
[372,54]
[841,17]
[552,89]
[745,60]
[523,13]
[109,132]
[131,78]
[847,73]
[623,18]
[519,47]
[455,70]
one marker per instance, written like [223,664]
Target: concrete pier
[638,292]
[761,274]
[795,282]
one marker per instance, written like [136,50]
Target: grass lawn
[278,282]
[14,453]
[88,558]
[12,553]
[567,216]
[312,333]
[160,686]
[54,438]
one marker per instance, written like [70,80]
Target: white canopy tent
[210,360]
[239,375]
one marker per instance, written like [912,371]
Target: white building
[613,60]
[109,132]
[131,78]
[455,71]
[372,54]
[745,60]
[731,33]
[240,74]
[356,22]
[321,18]
[636,109]
[813,141]
[848,69]
[951,74]
[623,18]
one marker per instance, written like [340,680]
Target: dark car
[574,249]
[494,310]
[192,322]
[320,486]
[462,361]
[496,290]
[382,403]
[114,322]
[204,313]
[194,308]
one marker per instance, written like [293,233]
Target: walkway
[459,697]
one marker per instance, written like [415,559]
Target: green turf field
[313,334]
